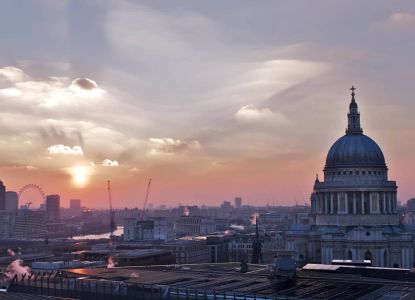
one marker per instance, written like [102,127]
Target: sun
[80,176]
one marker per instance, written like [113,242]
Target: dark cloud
[85,83]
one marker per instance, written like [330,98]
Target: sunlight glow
[80,176]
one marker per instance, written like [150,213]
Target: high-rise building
[238,202]
[2,196]
[29,224]
[75,207]
[53,206]
[12,201]
[6,224]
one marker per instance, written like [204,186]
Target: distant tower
[238,202]
[2,196]
[75,207]
[53,206]
[257,247]
[12,201]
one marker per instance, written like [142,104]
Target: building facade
[11,201]
[2,196]
[53,207]
[354,209]
[194,225]
[75,207]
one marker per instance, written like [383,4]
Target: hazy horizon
[212,100]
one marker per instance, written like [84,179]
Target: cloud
[250,112]
[49,93]
[400,20]
[10,92]
[12,74]
[85,83]
[62,149]
[110,163]
[169,145]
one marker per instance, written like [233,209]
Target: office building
[12,201]
[238,202]
[2,196]
[75,207]
[53,207]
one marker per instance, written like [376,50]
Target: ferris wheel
[35,187]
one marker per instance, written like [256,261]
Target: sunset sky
[211,99]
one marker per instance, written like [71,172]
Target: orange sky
[210,101]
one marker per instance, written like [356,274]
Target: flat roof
[310,283]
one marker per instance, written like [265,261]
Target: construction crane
[145,200]
[112,217]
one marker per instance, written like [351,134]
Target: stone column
[346,203]
[362,199]
[326,203]
[384,202]
[354,203]
[378,203]
[370,202]
[338,202]
[331,203]
[388,202]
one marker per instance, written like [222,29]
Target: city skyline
[210,101]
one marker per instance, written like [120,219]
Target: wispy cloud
[169,145]
[110,163]
[12,74]
[62,149]
[251,113]
[400,20]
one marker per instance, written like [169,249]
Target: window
[370,172]
[363,172]
[344,173]
[351,172]
[357,172]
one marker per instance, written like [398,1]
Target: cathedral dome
[355,150]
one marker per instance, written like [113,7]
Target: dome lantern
[353,126]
